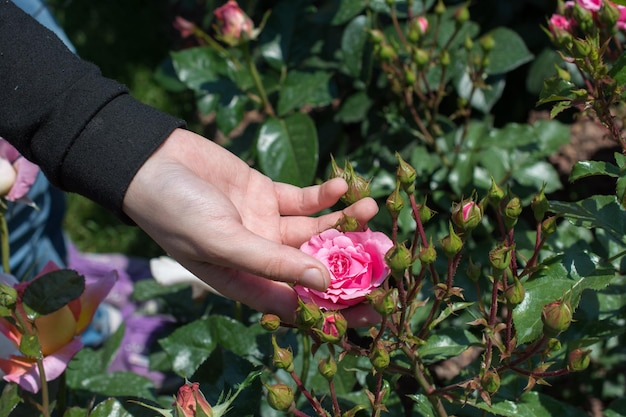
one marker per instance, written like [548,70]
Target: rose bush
[356,261]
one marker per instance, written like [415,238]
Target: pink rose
[234,26]
[592,5]
[559,22]
[356,261]
[621,21]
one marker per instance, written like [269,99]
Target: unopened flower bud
[395,202]
[500,257]
[583,17]
[487,43]
[425,213]
[467,215]
[428,254]
[398,258]
[379,356]
[515,293]
[418,27]
[335,170]
[190,402]
[581,48]
[421,58]
[444,58]
[609,14]
[283,357]
[461,15]
[307,314]
[406,175]
[410,77]
[376,36]
[327,367]
[358,187]
[279,396]
[451,244]
[384,301]
[578,360]
[554,344]
[556,318]
[490,382]
[512,212]
[387,53]
[347,223]
[440,8]
[270,322]
[540,205]
[548,226]
[468,44]
[495,193]
[333,327]
[234,27]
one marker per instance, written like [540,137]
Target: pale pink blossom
[15,184]
[234,26]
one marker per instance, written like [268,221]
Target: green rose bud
[270,322]
[548,226]
[512,212]
[336,171]
[395,202]
[500,257]
[327,367]
[428,254]
[554,345]
[347,223]
[578,360]
[358,187]
[495,194]
[425,213]
[556,318]
[451,244]
[307,314]
[387,53]
[398,258]
[279,396]
[461,15]
[406,175]
[376,36]
[490,382]
[440,8]
[379,356]
[609,15]
[421,58]
[515,293]
[540,205]
[468,44]
[384,301]
[487,43]
[444,58]
[283,358]
[474,271]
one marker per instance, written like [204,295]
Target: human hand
[233,227]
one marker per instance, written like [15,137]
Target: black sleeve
[85,131]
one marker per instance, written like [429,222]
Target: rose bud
[406,175]
[490,382]
[335,170]
[512,212]
[307,314]
[553,345]
[474,270]
[609,15]
[327,367]
[283,358]
[515,293]
[578,360]
[383,301]
[487,43]
[451,244]
[395,202]
[358,187]
[379,357]
[234,27]
[440,8]
[428,254]
[418,27]
[421,58]
[270,322]
[425,213]
[398,258]
[333,327]
[540,205]
[8,299]
[461,15]
[556,318]
[190,402]
[548,226]
[495,194]
[347,223]
[500,257]
[279,396]
[467,215]
[376,36]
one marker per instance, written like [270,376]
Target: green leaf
[618,70]
[530,404]
[190,345]
[566,275]
[30,347]
[118,384]
[509,51]
[482,99]
[354,109]
[338,12]
[556,89]
[446,343]
[584,169]
[112,407]
[304,88]
[598,211]
[353,42]
[9,399]
[288,149]
[230,115]
[75,412]
[618,407]
[423,406]
[196,67]
[51,291]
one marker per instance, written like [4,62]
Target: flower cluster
[576,18]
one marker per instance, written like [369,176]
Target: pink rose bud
[190,402]
[279,396]
[556,318]
[418,27]
[592,5]
[333,327]
[234,26]
[184,26]
[270,322]
[467,215]
[578,360]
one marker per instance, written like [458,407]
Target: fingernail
[313,278]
